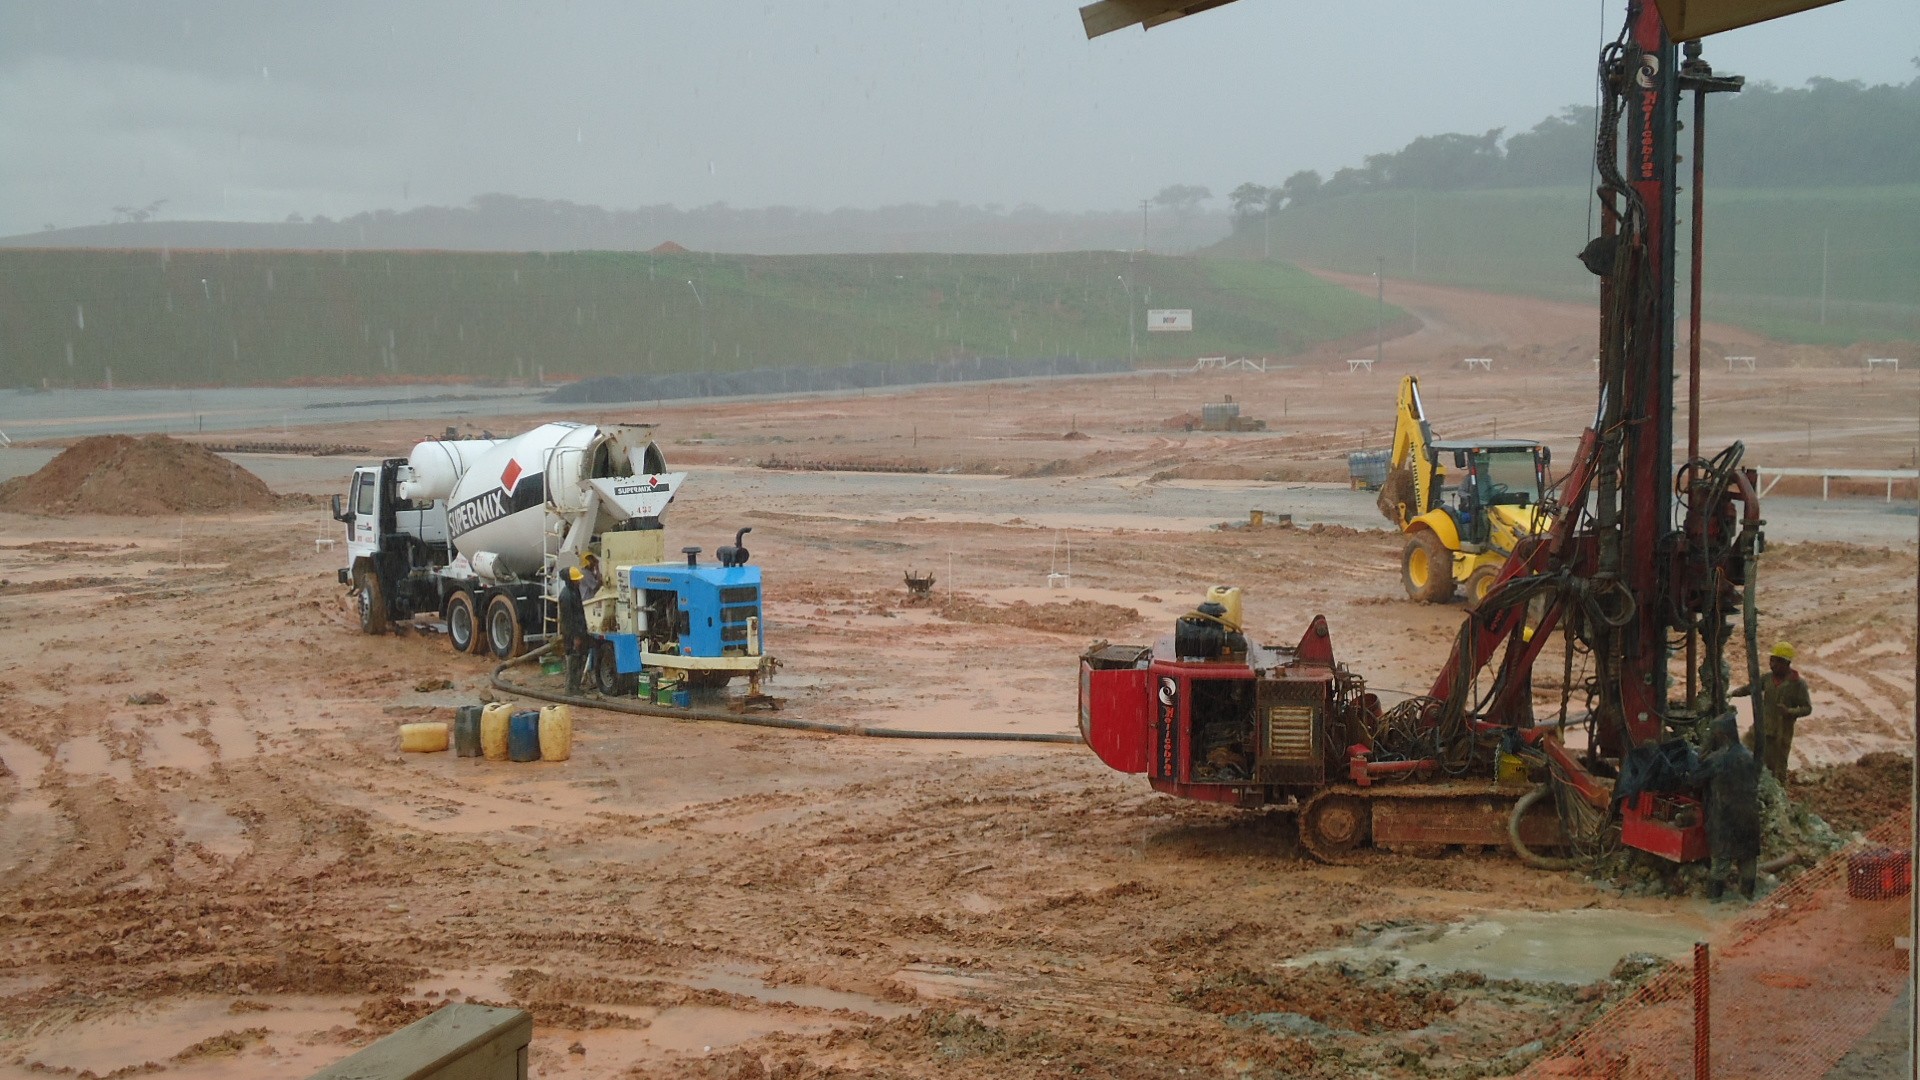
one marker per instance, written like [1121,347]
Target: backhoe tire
[1426,569]
[506,638]
[1479,584]
[371,598]
[463,623]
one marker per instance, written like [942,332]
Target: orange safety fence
[1811,973]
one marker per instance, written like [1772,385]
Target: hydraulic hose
[1520,848]
[721,716]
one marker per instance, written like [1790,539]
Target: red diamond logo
[510,475]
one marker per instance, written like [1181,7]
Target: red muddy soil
[247,878]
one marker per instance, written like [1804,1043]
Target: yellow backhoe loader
[1463,505]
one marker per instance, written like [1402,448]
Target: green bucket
[552,664]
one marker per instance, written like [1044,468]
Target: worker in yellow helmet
[1783,701]
[589,575]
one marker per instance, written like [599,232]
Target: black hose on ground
[1520,848]
[721,716]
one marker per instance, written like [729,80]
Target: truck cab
[392,543]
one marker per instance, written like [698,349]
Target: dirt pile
[1856,797]
[119,474]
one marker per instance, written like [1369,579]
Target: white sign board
[1170,319]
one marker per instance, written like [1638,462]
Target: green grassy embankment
[153,317]
[1764,250]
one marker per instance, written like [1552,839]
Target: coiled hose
[721,716]
[1520,848]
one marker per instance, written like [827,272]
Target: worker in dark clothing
[574,639]
[1732,777]
[1783,701]
[598,617]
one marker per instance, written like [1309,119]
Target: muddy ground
[244,877]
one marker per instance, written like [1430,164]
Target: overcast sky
[254,110]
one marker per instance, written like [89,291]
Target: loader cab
[1489,473]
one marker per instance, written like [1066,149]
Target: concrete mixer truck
[478,532]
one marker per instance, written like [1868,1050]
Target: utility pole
[1825,235]
[1266,243]
[1143,224]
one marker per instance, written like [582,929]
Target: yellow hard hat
[1784,651]
[573,573]
[588,557]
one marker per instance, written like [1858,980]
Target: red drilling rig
[1644,561]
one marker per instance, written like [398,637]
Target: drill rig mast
[1640,557]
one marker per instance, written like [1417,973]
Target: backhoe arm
[1413,446]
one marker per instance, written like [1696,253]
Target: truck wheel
[1479,584]
[463,623]
[504,635]
[1426,569]
[372,601]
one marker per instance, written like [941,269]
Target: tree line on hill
[499,222]
[1827,134]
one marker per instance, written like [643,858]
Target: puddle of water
[156,1033]
[32,837]
[935,982]
[734,981]
[23,761]
[1574,947]
[486,984]
[231,733]
[617,850]
[170,748]
[692,1029]
[209,825]
[88,756]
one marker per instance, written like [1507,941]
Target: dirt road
[247,878]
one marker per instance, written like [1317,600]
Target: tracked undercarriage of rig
[1644,565]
